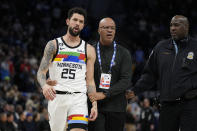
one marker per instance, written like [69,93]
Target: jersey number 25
[68,73]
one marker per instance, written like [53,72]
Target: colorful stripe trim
[71,57]
[69,53]
[58,59]
[75,115]
[77,121]
[78,118]
[61,56]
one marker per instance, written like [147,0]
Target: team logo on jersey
[190,55]
[60,44]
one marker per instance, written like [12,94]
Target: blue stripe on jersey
[72,59]
[77,121]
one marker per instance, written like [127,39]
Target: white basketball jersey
[68,67]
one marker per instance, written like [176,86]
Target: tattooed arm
[49,52]
[91,88]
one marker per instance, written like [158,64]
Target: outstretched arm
[149,76]
[91,88]
[49,52]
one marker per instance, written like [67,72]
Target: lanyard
[175,46]
[112,60]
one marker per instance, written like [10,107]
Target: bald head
[106,21]
[179,27]
[107,30]
[182,19]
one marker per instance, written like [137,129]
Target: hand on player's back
[51,82]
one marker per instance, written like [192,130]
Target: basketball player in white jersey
[70,62]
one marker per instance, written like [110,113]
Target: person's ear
[99,31]
[67,21]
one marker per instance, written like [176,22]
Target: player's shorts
[68,110]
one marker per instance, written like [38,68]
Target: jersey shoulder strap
[57,45]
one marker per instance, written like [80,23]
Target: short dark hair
[77,10]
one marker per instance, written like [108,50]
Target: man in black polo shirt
[112,74]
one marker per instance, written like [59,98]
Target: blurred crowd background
[26,26]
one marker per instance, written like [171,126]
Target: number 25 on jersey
[68,73]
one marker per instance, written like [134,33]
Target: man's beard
[72,32]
